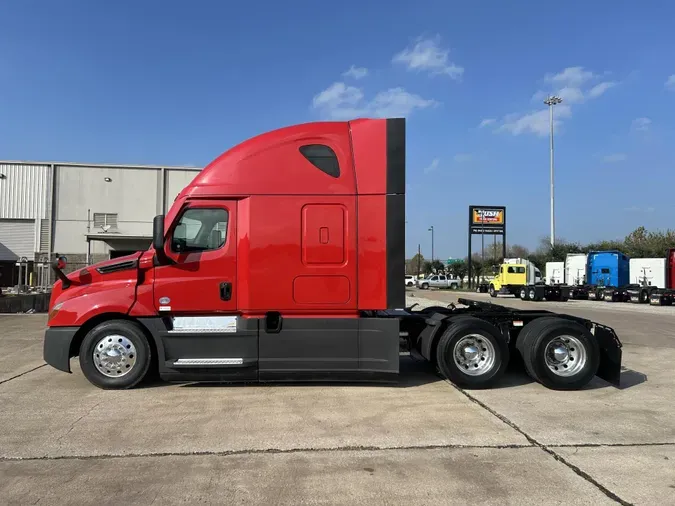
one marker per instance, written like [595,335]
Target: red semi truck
[283,260]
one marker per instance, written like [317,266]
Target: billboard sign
[490,220]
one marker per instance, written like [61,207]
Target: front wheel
[471,353]
[492,291]
[115,355]
[425,286]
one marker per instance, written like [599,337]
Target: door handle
[226,290]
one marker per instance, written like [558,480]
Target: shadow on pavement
[631,378]
[412,373]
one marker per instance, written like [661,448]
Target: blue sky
[177,83]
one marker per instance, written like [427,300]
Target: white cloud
[487,122]
[397,102]
[462,157]
[614,158]
[432,166]
[571,94]
[356,72]
[574,85]
[571,76]
[338,94]
[670,83]
[341,102]
[641,124]
[601,88]
[536,122]
[427,55]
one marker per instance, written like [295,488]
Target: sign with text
[489,220]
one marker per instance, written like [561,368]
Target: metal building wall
[134,193]
[25,194]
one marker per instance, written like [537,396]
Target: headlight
[54,310]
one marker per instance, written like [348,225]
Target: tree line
[640,243]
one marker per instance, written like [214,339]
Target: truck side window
[511,270]
[200,229]
[441,278]
[322,157]
[520,270]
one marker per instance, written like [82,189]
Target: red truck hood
[122,271]
[97,271]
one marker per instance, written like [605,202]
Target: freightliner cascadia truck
[283,260]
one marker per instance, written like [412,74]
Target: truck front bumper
[56,351]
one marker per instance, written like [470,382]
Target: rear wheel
[115,355]
[644,297]
[532,294]
[523,294]
[558,353]
[471,353]
[600,294]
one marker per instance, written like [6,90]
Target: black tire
[600,294]
[532,294]
[125,329]
[523,294]
[532,343]
[454,286]
[425,286]
[492,291]
[644,297]
[459,329]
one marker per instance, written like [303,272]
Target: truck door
[196,293]
[442,282]
[202,249]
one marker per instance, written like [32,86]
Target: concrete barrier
[38,302]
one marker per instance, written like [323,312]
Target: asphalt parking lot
[422,441]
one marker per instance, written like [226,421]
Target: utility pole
[550,102]
[432,242]
[419,260]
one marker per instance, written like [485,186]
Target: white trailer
[555,273]
[575,269]
[648,272]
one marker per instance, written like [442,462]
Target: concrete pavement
[422,441]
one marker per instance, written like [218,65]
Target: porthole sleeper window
[322,157]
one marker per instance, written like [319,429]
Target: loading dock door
[17,239]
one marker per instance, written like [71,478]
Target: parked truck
[609,276]
[319,208]
[647,276]
[439,281]
[524,280]
[555,273]
[575,275]
[666,296]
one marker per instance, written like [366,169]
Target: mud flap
[610,354]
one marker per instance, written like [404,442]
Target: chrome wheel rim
[565,356]
[114,356]
[474,354]
[531,294]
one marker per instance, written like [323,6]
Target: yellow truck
[523,279]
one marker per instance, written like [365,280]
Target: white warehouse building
[87,212]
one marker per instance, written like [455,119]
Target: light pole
[550,102]
[431,229]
